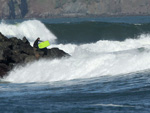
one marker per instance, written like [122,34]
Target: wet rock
[56,53]
[29,59]
[15,51]
[2,37]
[3,69]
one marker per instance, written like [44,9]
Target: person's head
[38,38]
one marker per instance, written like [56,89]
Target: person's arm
[41,41]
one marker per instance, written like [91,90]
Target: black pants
[45,51]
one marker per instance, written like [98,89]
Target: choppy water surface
[108,71]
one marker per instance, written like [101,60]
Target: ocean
[108,71]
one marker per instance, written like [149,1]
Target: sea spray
[102,58]
[100,46]
[88,61]
[31,29]
[118,74]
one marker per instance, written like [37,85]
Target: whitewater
[31,29]
[101,58]
[108,70]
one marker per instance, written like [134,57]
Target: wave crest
[31,29]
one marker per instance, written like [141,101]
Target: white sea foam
[113,105]
[31,29]
[103,58]
[88,60]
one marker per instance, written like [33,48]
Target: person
[35,45]
[36,48]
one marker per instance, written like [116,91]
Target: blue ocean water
[108,71]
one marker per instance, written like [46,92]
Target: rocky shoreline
[14,51]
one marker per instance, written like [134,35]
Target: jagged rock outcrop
[14,51]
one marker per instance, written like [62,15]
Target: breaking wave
[31,29]
[103,58]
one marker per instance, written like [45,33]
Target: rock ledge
[15,51]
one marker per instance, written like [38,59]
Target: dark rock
[7,53]
[1,54]
[25,41]
[56,53]
[3,70]
[29,59]
[2,37]
[15,51]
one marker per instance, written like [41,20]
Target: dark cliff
[72,8]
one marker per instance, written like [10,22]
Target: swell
[31,29]
[86,32]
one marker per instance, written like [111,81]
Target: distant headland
[20,9]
